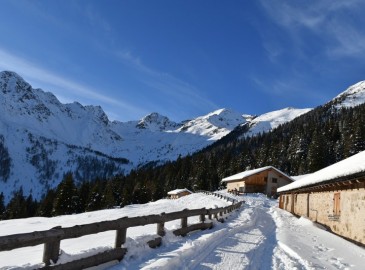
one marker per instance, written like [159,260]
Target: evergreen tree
[2,206]
[316,153]
[66,201]
[109,196]
[141,194]
[45,207]
[31,206]
[95,200]
[17,207]
[358,142]
[83,193]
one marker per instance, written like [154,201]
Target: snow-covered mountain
[156,138]
[41,138]
[215,124]
[351,97]
[271,120]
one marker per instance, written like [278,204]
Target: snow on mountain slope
[351,97]
[215,124]
[271,120]
[42,114]
[156,138]
[41,138]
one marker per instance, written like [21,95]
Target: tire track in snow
[190,254]
[251,245]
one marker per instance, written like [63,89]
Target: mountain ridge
[44,138]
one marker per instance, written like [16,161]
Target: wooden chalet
[178,193]
[333,196]
[264,180]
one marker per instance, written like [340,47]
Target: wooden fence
[219,195]
[52,238]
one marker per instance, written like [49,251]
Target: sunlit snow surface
[268,121]
[352,165]
[258,236]
[353,96]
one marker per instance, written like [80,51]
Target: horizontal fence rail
[52,238]
[219,195]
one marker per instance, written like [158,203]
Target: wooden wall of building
[261,182]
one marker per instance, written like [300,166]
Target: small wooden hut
[264,180]
[178,193]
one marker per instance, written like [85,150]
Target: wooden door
[337,204]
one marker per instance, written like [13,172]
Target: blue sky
[185,58]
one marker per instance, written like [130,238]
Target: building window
[265,179]
[337,204]
[274,180]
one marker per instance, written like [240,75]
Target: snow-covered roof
[245,174]
[178,191]
[352,165]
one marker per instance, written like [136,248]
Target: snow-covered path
[259,236]
[243,245]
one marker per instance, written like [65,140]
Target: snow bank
[81,247]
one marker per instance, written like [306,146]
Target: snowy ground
[258,236]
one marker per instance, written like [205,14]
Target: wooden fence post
[202,218]
[161,229]
[51,250]
[120,237]
[184,224]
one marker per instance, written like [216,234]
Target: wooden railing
[52,238]
[219,195]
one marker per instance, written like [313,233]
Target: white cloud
[35,73]
[340,33]
[350,41]
[289,89]
[167,84]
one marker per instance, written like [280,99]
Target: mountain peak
[351,97]
[12,82]
[98,112]
[155,122]
[8,73]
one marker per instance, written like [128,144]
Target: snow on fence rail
[52,238]
[219,195]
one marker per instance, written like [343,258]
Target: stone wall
[348,220]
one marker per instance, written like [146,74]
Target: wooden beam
[199,226]
[120,237]
[106,256]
